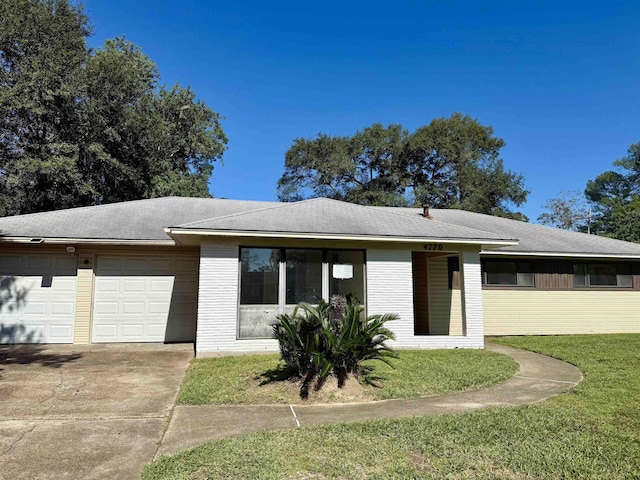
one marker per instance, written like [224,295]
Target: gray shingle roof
[136,220]
[145,220]
[331,217]
[533,238]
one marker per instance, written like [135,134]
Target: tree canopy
[567,211]
[82,127]
[615,197]
[451,162]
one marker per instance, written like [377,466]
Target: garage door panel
[134,285]
[63,284]
[39,295]
[132,330]
[62,308]
[106,331]
[133,308]
[140,299]
[60,331]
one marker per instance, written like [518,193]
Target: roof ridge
[83,207]
[391,210]
[238,214]
[469,229]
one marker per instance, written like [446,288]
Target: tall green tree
[359,169]
[42,54]
[615,197]
[452,162]
[80,127]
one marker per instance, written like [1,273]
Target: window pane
[525,274]
[602,274]
[304,275]
[525,279]
[346,273]
[579,275]
[501,273]
[625,281]
[259,276]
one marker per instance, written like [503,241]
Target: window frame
[588,284]
[522,268]
[282,304]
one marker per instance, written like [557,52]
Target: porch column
[472,298]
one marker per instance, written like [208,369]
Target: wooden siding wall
[420,293]
[558,274]
[445,312]
[84,299]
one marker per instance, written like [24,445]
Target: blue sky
[559,81]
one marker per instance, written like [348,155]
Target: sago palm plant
[331,338]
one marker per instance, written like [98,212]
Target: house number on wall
[433,246]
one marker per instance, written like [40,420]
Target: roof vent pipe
[425,210]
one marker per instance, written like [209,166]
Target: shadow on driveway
[34,354]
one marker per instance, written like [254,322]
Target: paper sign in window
[342,271]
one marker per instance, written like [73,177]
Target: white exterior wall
[218,303]
[390,290]
[471,283]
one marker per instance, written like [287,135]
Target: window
[304,275]
[602,275]
[346,273]
[272,280]
[497,272]
[259,276]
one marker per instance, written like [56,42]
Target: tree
[80,127]
[452,162]
[567,211]
[42,53]
[615,197]
[141,140]
[358,169]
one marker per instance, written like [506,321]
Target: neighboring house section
[218,272]
[548,296]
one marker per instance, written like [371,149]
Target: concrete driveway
[92,413]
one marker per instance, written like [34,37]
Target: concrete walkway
[539,378]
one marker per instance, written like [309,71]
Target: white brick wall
[472,299]
[390,290]
[218,303]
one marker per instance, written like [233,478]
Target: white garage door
[145,299]
[37,298]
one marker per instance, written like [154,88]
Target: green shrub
[331,338]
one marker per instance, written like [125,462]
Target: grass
[592,432]
[259,379]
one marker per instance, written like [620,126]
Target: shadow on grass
[369,376]
[279,374]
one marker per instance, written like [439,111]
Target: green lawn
[590,433]
[238,379]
